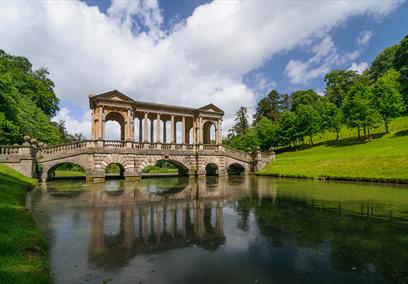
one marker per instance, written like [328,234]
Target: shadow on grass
[401,133]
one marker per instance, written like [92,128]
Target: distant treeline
[360,102]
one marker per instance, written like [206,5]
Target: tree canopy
[27,102]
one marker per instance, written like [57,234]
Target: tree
[266,133]
[285,103]
[305,97]
[358,109]
[245,141]
[268,107]
[332,118]
[287,128]
[382,63]
[387,99]
[27,102]
[308,122]
[338,83]
[241,122]
[401,65]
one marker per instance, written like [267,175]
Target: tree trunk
[369,136]
[337,135]
[386,126]
[359,136]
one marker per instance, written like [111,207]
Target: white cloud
[83,125]
[359,67]
[325,57]
[199,60]
[364,38]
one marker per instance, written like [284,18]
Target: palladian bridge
[190,138]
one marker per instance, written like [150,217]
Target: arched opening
[165,168]
[236,169]
[114,171]
[209,135]
[211,169]
[112,131]
[66,171]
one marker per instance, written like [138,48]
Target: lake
[224,230]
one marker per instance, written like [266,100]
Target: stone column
[151,131]
[100,134]
[164,131]
[200,131]
[145,134]
[183,131]
[158,129]
[194,132]
[219,137]
[140,130]
[128,131]
[172,130]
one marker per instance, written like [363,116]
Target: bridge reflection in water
[148,217]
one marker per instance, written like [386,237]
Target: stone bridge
[95,156]
[195,142]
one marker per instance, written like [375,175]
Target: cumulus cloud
[198,60]
[359,67]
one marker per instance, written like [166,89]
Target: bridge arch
[180,163]
[48,170]
[114,170]
[236,169]
[211,169]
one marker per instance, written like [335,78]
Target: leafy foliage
[387,99]
[27,102]
[338,83]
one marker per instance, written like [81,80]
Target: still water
[224,230]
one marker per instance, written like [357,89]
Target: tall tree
[288,132]
[338,83]
[305,97]
[268,107]
[285,103]
[387,99]
[241,122]
[27,101]
[382,63]
[332,118]
[358,109]
[266,133]
[401,65]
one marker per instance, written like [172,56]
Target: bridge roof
[116,96]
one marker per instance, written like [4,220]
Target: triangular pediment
[114,95]
[211,108]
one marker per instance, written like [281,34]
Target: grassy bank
[66,173]
[385,158]
[23,251]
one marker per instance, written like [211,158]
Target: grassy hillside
[23,251]
[385,158]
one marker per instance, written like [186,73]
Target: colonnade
[154,128]
[196,123]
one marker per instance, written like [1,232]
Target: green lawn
[23,251]
[383,159]
[159,170]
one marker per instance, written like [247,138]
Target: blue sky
[386,32]
[191,53]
